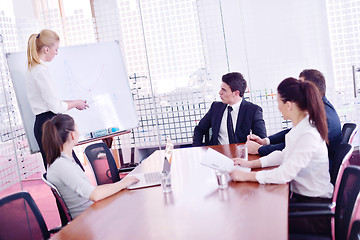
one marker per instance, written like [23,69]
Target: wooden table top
[195,209]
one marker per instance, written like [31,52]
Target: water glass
[242,152]
[221,179]
[166,183]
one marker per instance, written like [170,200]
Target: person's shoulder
[327,103]
[217,104]
[38,67]
[304,134]
[55,170]
[305,128]
[330,109]
[60,164]
[38,70]
[250,104]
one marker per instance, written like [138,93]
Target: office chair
[127,167]
[355,230]
[207,137]
[340,159]
[103,163]
[22,219]
[340,162]
[348,132]
[345,201]
[64,212]
[343,165]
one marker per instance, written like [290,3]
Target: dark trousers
[310,225]
[38,131]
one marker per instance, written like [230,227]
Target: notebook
[154,178]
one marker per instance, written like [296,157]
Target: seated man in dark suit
[277,141]
[232,119]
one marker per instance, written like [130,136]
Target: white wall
[270,40]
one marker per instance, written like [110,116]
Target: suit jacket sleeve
[278,137]
[202,128]
[277,143]
[258,124]
[267,149]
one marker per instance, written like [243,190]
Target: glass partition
[344,22]
[175,52]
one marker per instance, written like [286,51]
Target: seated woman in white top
[304,161]
[75,187]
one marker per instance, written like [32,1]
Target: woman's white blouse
[41,92]
[303,162]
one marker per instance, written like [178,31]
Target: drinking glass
[166,183]
[221,179]
[242,152]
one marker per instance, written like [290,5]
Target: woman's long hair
[46,38]
[55,133]
[307,97]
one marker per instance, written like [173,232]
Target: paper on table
[216,160]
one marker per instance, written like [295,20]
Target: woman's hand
[106,190]
[129,180]
[81,104]
[249,164]
[242,162]
[78,104]
[241,176]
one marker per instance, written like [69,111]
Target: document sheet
[216,160]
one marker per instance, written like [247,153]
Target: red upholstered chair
[355,230]
[103,163]
[340,161]
[345,201]
[64,212]
[22,219]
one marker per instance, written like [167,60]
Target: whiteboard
[94,72]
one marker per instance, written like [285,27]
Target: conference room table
[195,208]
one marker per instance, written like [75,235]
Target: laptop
[154,178]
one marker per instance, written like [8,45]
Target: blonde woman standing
[42,95]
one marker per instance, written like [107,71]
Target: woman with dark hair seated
[304,161]
[73,184]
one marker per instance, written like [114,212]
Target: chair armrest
[309,206]
[130,165]
[55,230]
[319,213]
[126,169]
